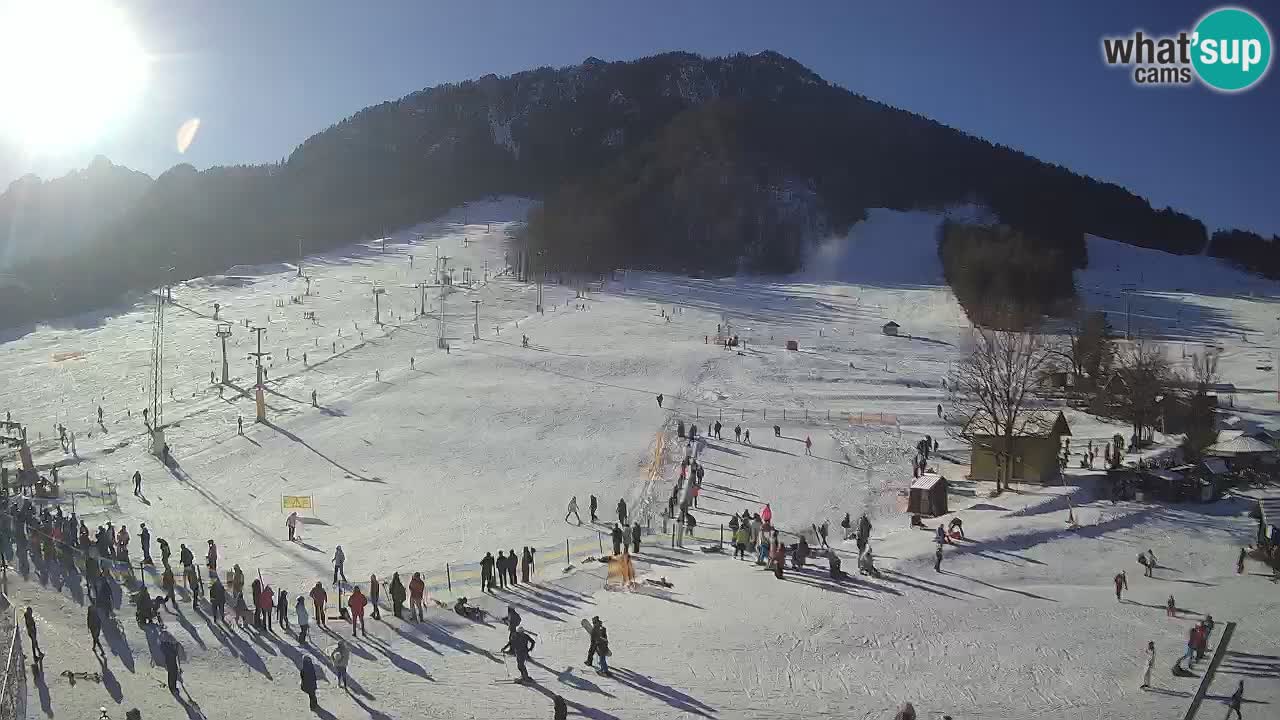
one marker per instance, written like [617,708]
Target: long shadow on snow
[576,707]
[665,693]
[328,459]
[401,662]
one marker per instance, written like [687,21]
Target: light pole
[475,331]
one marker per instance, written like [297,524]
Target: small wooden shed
[928,495]
[890,328]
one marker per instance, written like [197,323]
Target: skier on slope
[1121,583]
[291,523]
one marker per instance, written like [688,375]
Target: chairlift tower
[224,332]
[156,381]
[441,342]
[259,399]
[377,304]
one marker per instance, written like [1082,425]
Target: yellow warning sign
[296,502]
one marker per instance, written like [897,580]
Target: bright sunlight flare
[69,68]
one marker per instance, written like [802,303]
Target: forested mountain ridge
[674,162]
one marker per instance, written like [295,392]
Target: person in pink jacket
[766,514]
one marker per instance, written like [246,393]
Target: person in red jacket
[318,598]
[266,602]
[356,603]
[417,588]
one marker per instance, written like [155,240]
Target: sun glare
[68,69]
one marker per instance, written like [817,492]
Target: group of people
[507,568]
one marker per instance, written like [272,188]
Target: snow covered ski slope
[419,459]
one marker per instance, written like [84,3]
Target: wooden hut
[928,496]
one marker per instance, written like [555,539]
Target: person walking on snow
[593,505]
[339,558]
[137,483]
[1237,699]
[622,511]
[318,598]
[486,573]
[526,564]
[616,535]
[500,566]
[594,646]
[1121,582]
[211,559]
[1150,663]
[737,433]
[300,610]
[308,674]
[1170,608]
[767,514]
[522,646]
[144,536]
[167,583]
[659,399]
[1240,564]
[718,426]
[937,560]
[95,630]
[746,437]
[266,601]
[808,446]
[417,588]
[375,589]
[397,595]
[29,620]
[635,538]
[218,599]
[573,510]
[282,609]
[340,656]
[356,604]
[291,523]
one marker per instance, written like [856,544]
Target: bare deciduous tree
[991,393]
[1142,379]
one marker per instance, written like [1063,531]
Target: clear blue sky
[264,74]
